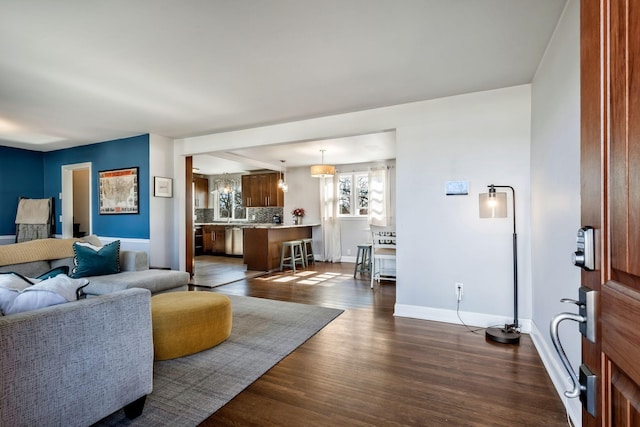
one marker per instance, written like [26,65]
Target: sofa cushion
[63,262]
[92,260]
[27,269]
[55,290]
[154,280]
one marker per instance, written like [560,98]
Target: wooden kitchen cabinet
[261,190]
[200,192]
[274,195]
[213,239]
[251,191]
[262,246]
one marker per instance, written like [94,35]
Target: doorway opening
[76,200]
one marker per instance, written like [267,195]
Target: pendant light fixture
[282,184]
[322,170]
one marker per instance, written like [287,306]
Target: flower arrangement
[298,212]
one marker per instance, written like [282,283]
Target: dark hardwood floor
[369,368]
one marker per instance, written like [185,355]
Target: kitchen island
[262,244]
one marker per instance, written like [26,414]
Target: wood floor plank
[369,368]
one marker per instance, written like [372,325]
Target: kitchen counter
[255,224]
[262,244]
[284,225]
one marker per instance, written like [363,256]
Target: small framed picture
[162,187]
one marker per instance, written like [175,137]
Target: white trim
[449,316]
[128,243]
[558,375]
[7,240]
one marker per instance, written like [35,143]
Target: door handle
[555,323]
[585,385]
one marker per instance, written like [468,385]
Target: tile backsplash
[258,215]
[263,214]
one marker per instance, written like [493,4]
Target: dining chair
[383,253]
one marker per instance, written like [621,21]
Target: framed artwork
[118,190]
[162,187]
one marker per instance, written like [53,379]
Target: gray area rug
[189,389]
[225,279]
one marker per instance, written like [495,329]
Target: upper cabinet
[261,190]
[274,195]
[200,192]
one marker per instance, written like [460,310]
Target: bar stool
[363,259]
[307,247]
[295,255]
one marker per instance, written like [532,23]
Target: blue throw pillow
[95,261]
[53,273]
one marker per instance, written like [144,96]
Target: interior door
[610,181]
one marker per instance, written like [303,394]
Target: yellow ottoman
[188,322]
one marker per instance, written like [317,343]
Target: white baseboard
[449,316]
[559,377]
[7,240]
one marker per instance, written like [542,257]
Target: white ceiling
[74,72]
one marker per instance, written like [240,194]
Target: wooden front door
[610,181]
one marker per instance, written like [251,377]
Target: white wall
[555,195]
[304,192]
[481,138]
[489,143]
[162,239]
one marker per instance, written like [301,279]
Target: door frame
[67,197]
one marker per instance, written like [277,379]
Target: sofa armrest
[75,363]
[133,261]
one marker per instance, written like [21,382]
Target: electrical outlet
[459,291]
[348,251]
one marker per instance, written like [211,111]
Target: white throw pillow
[10,286]
[52,291]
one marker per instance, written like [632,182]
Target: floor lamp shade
[494,205]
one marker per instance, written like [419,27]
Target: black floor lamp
[494,205]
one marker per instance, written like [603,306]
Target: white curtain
[330,223]
[380,212]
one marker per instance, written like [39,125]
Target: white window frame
[353,202]
[216,207]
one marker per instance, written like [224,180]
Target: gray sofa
[43,255]
[73,364]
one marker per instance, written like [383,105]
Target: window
[230,205]
[353,190]
[227,198]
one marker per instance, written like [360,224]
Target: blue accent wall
[117,154]
[21,174]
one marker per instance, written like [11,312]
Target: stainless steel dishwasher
[233,241]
